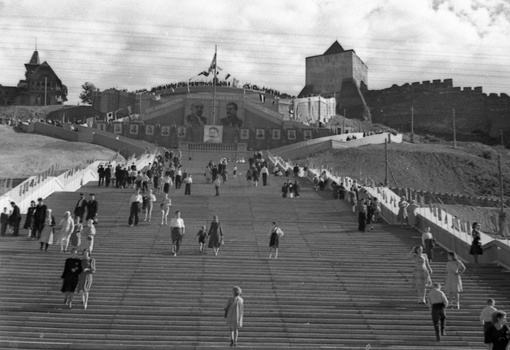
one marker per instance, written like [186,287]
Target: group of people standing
[10,220]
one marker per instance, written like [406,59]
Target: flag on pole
[228,76]
[204,73]
[109,116]
[262,98]
[212,67]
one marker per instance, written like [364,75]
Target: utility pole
[454,131]
[386,162]
[344,122]
[412,124]
[502,215]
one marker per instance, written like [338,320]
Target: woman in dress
[88,234]
[67,229]
[75,238]
[165,209]
[88,266]
[29,220]
[429,243]
[274,240]
[234,312]
[476,245]
[453,284]
[353,198]
[421,272]
[72,270]
[215,235]
[412,218]
[402,211]
[48,231]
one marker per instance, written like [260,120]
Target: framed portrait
[101,126]
[149,129]
[291,134]
[181,131]
[117,128]
[245,134]
[276,134]
[307,134]
[260,134]
[133,129]
[165,130]
[213,134]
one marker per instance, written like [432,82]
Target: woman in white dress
[67,229]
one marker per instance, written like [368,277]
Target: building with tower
[41,86]
[342,74]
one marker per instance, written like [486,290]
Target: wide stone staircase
[331,287]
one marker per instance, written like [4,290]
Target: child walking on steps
[202,236]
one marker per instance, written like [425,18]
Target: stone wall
[478,116]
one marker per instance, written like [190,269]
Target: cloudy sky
[140,44]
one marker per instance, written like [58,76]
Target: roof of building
[335,48]
[35,58]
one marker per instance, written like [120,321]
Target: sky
[141,44]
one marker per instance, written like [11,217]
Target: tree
[87,93]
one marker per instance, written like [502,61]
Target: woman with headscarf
[48,231]
[234,312]
[215,235]
[67,228]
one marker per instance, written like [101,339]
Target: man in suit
[100,173]
[232,119]
[79,209]
[108,175]
[15,219]
[92,207]
[39,218]
[196,118]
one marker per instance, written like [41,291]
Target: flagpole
[214,84]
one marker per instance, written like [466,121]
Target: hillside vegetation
[471,169]
[23,155]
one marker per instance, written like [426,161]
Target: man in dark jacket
[92,208]
[79,209]
[39,218]
[15,219]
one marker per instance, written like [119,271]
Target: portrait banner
[307,134]
[213,134]
[181,131]
[276,134]
[117,128]
[245,134]
[133,129]
[165,130]
[260,134]
[101,126]
[291,134]
[197,112]
[149,129]
[231,114]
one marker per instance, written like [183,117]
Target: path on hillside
[331,286]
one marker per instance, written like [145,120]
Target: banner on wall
[149,130]
[307,134]
[213,134]
[198,111]
[165,131]
[260,134]
[181,131]
[245,134]
[291,134]
[276,134]
[101,126]
[117,128]
[133,129]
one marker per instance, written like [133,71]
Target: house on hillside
[41,86]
